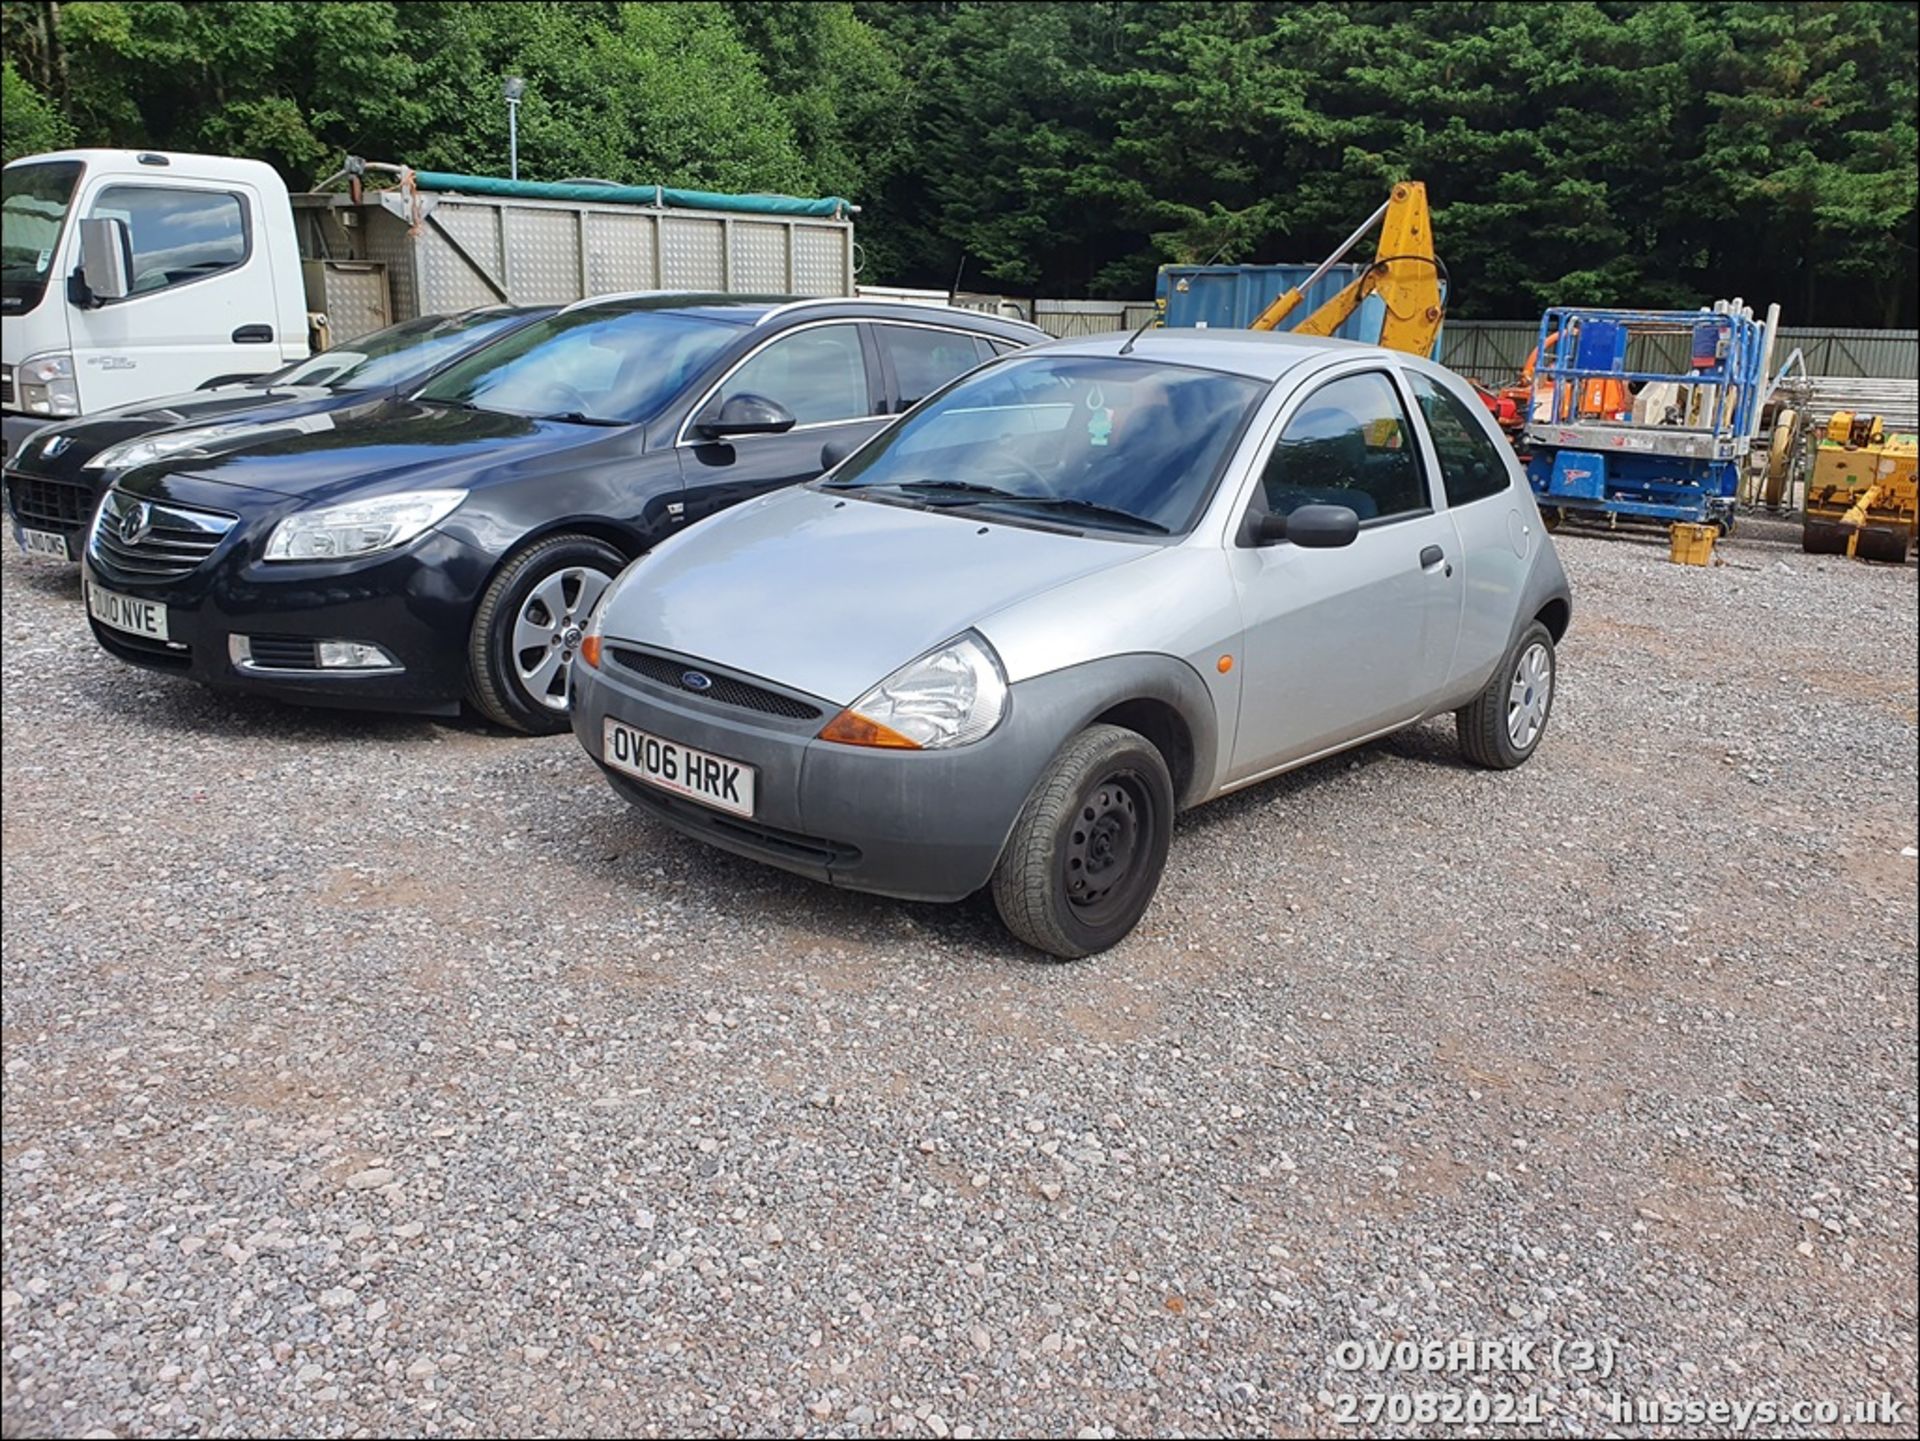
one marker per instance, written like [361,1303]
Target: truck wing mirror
[106,259]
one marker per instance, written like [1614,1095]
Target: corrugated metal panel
[1061,318]
[1489,351]
[1893,354]
[1896,402]
[1492,351]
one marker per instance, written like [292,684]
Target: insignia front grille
[149,540]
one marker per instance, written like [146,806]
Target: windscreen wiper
[1091,507]
[965,491]
[971,492]
[579,417]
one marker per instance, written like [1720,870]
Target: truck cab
[199,277]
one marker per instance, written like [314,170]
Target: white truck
[127,275]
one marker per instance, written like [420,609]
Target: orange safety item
[1599,399]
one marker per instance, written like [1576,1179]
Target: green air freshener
[1099,419]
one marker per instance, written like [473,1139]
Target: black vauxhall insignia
[448,547]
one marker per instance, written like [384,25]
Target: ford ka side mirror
[835,451]
[746,415]
[106,259]
[1312,527]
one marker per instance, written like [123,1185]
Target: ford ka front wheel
[1088,850]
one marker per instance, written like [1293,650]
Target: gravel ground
[371,1076]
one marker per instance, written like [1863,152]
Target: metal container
[1231,297]
[448,251]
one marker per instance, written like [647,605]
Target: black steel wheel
[1086,854]
[1107,842]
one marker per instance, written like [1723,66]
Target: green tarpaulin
[831,206]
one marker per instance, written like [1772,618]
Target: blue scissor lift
[1645,413]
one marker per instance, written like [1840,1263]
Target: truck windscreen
[33,209]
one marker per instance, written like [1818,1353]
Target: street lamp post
[513,90]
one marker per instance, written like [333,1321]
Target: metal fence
[1884,354]
[1492,351]
[1060,318]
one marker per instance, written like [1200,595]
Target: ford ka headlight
[360,527]
[948,697]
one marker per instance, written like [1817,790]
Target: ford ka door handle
[1432,556]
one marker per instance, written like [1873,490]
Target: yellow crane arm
[1404,273]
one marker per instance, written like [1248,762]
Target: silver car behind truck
[1082,588]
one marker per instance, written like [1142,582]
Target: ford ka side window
[1471,465]
[1348,444]
[819,375]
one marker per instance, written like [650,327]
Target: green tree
[1585,151]
[31,123]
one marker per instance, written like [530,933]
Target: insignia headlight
[360,527]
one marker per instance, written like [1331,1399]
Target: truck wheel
[1503,725]
[527,630]
[1086,854]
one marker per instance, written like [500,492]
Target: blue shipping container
[1231,297]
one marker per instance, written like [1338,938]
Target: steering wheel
[556,397]
[1021,467]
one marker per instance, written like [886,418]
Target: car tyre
[1504,724]
[1087,852]
[526,630]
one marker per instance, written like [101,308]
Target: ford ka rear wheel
[528,627]
[1086,855]
[1505,722]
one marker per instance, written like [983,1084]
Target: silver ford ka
[1079,589]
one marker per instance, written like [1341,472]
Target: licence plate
[712,780]
[44,542]
[123,612]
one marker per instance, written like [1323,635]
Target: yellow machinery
[1863,497]
[1405,274]
[1772,483]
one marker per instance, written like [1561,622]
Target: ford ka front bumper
[924,825]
